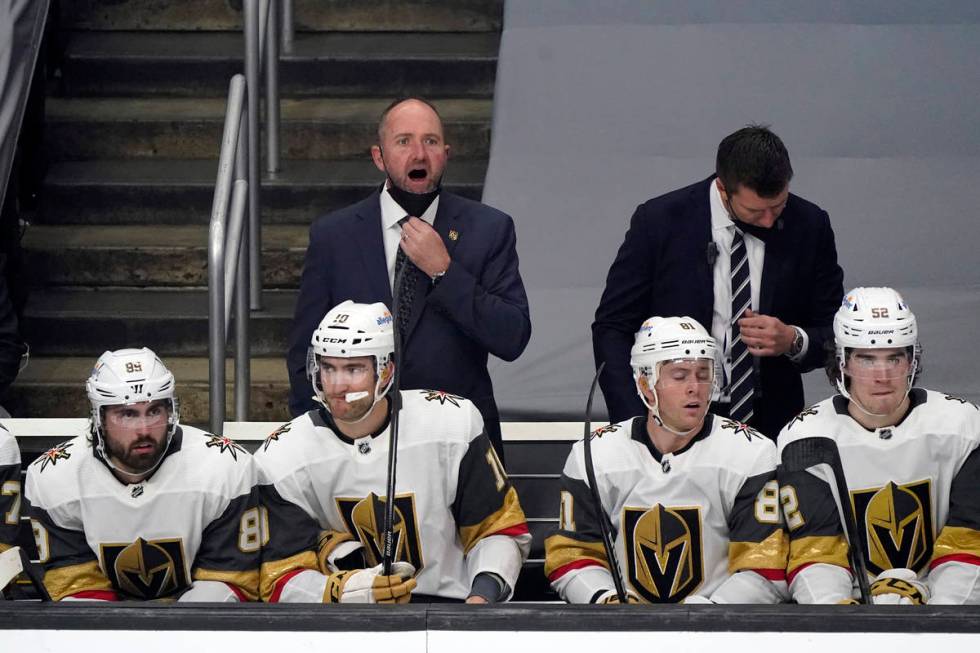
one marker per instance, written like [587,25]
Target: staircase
[117,253]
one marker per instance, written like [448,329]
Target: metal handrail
[234,251]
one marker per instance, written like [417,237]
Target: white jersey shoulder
[438,415]
[9,452]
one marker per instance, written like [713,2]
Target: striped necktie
[406,291]
[742,379]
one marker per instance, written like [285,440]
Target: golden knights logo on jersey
[146,569]
[663,551]
[364,520]
[898,522]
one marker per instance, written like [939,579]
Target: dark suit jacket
[662,269]
[478,307]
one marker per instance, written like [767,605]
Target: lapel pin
[453,235]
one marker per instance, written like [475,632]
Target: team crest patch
[602,430]
[224,444]
[740,429]
[664,557]
[812,410]
[53,455]
[363,518]
[146,569]
[274,436]
[442,397]
[898,523]
[962,401]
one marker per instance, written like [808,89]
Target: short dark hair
[754,157]
[400,100]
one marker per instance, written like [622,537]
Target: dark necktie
[742,379]
[406,289]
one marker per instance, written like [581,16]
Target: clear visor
[876,366]
[131,416]
[346,373]
[684,371]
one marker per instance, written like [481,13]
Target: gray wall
[602,105]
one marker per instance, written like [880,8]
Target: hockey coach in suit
[739,252]
[462,297]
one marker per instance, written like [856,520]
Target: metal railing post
[254,220]
[271,39]
[288,29]
[216,253]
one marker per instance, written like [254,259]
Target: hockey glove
[610,597]
[369,586]
[899,587]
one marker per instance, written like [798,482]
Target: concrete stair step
[309,15]
[347,64]
[55,387]
[170,256]
[172,322]
[191,128]
[169,191]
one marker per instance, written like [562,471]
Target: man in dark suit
[462,297]
[738,252]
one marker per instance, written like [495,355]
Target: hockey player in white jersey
[10,490]
[912,465]
[691,497]
[144,508]
[461,532]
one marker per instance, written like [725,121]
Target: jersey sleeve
[294,542]
[231,543]
[489,519]
[757,539]
[71,569]
[10,490]
[817,568]
[954,571]
[575,557]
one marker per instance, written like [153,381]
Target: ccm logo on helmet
[335,341]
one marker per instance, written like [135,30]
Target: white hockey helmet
[349,330]
[664,339]
[129,376]
[874,318]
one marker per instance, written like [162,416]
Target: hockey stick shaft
[388,544]
[605,525]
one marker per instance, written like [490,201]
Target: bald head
[415,102]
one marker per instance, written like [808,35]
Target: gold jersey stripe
[561,550]
[830,549]
[4,547]
[271,571]
[71,579]
[770,553]
[510,514]
[955,540]
[246,581]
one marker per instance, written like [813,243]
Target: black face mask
[414,204]
[762,233]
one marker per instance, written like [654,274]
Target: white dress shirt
[391,231]
[722,233]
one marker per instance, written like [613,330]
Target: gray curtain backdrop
[602,105]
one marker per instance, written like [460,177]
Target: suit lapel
[703,272]
[447,218]
[369,240]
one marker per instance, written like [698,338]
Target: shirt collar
[719,214]
[391,212]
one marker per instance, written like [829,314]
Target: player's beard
[356,410]
[134,461]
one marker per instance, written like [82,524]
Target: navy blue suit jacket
[662,268]
[478,308]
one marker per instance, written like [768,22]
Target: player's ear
[643,384]
[378,157]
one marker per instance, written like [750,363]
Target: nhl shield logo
[664,559]
[898,522]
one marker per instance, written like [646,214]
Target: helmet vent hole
[687,351]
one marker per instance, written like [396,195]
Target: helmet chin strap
[379,394]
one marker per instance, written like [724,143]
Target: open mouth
[418,174]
